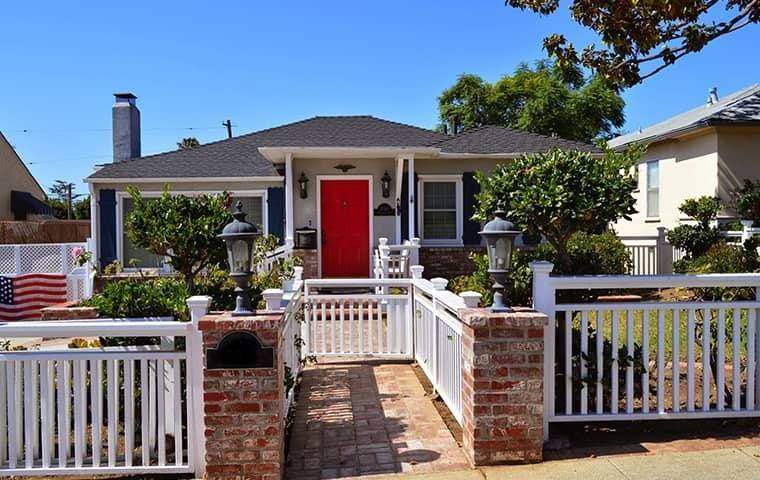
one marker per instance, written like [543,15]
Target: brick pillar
[243,414]
[502,386]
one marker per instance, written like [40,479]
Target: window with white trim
[653,189]
[440,208]
[131,255]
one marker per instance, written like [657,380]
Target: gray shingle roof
[240,157]
[739,107]
[494,139]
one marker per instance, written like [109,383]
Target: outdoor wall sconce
[238,237]
[385,184]
[499,235]
[302,185]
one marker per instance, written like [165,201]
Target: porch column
[412,200]
[289,230]
[94,224]
[399,183]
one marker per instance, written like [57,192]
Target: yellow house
[20,194]
[709,150]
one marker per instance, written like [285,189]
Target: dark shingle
[491,139]
[239,156]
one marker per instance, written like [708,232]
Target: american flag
[22,296]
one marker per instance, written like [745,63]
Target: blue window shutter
[107,227]
[470,188]
[404,206]
[276,212]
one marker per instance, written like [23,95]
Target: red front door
[344,210]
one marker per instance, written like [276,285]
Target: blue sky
[196,63]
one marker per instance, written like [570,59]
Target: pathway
[364,418]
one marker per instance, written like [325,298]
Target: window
[653,189]
[253,206]
[440,209]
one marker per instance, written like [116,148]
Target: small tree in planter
[182,228]
[697,239]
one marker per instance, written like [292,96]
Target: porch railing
[395,261]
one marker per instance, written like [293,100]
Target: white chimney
[126,127]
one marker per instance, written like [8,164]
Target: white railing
[347,317]
[395,261]
[438,340]
[116,410]
[291,341]
[277,255]
[647,348]
[650,254]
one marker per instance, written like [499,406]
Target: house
[709,150]
[352,178]
[21,196]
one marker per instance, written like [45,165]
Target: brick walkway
[367,418]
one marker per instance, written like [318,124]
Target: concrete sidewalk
[726,464]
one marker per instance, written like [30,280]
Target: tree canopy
[546,99]
[639,39]
[188,143]
[560,193]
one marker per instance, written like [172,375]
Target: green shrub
[139,297]
[748,201]
[590,254]
[697,239]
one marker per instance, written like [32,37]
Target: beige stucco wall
[688,168]
[305,210]
[15,177]
[738,159]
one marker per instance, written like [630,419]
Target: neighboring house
[709,150]
[20,194]
[357,173]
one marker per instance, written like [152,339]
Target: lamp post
[500,237]
[238,237]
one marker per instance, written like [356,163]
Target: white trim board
[370,214]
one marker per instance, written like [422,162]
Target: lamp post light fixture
[500,235]
[302,184]
[238,237]
[385,184]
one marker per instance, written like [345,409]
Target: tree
[547,99]
[560,193]
[697,239]
[182,228]
[64,192]
[642,38]
[188,143]
[82,208]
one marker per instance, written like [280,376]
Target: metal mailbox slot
[239,350]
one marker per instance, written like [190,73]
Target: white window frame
[648,188]
[457,180]
[120,195]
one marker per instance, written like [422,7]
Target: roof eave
[96,180]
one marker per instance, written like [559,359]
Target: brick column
[243,414]
[502,386]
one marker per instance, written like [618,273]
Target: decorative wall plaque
[384,210]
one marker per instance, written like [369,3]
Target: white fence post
[439,283]
[17,260]
[198,306]
[746,230]
[417,271]
[471,299]
[414,253]
[664,253]
[544,300]
[273,298]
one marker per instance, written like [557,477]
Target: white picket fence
[290,339]
[116,410]
[650,254]
[395,261]
[626,383]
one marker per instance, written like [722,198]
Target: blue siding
[276,212]
[107,232]
[470,188]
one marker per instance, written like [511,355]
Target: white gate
[117,410]
[607,361]
[348,317]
